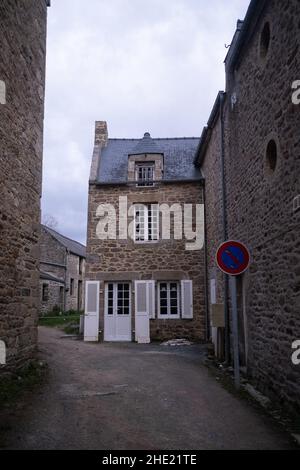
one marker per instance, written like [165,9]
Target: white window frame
[115,298]
[145,182]
[169,316]
[155,223]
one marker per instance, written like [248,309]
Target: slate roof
[74,247]
[146,145]
[179,155]
[50,277]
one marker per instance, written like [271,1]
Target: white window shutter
[141,298]
[187,299]
[151,297]
[91,317]
[142,323]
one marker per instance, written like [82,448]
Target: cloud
[141,66]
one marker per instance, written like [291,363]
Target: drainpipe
[207,316]
[225,230]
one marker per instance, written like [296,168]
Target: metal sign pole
[235,331]
[233,258]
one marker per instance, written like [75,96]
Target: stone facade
[52,294]
[262,168]
[65,270]
[22,76]
[117,260]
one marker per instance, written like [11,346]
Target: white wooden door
[91,314]
[117,318]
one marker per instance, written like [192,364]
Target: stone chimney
[101,134]
[101,140]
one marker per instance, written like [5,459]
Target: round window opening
[272,156]
[265,40]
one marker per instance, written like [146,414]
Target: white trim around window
[168,300]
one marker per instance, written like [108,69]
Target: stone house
[22,83]
[62,269]
[249,157]
[144,276]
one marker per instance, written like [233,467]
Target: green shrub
[56,311]
[73,312]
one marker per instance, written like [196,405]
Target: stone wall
[212,172]
[260,193]
[53,260]
[22,69]
[74,301]
[56,294]
[57,261]
[124,260]
[54,253]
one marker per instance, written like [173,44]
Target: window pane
[110,301]
[154,210]
[174,311]
[164,311]
[139,223]
[145,174]
[163,296]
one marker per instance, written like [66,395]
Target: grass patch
[61,321]
[68,323]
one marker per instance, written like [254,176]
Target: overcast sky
[140,65]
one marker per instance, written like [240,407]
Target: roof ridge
[154,138]
[63,236]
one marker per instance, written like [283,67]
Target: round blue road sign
[233,258]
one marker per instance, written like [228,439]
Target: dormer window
[145,162]
[144,174]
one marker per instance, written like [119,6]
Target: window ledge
[167,317]
[147,243]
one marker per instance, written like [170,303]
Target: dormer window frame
[145,174]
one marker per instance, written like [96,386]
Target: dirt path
[126,396]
